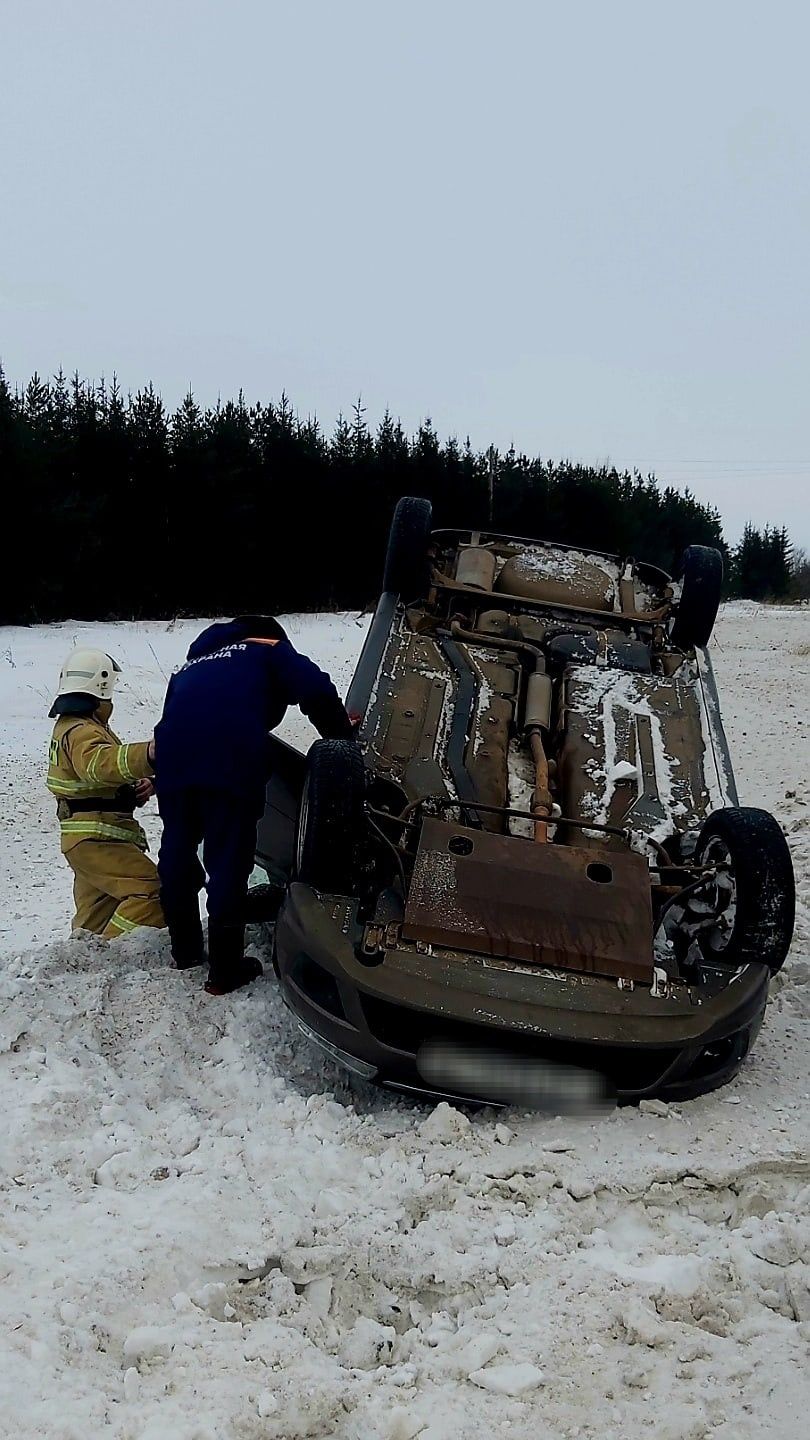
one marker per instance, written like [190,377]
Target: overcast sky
[581,227]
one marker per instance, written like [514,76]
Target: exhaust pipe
[536,717]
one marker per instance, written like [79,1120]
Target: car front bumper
[375,1016]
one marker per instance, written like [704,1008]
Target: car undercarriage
[532,867]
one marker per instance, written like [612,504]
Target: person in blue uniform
[212,763]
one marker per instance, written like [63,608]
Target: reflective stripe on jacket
[86,761]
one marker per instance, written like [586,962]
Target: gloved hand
[144,790]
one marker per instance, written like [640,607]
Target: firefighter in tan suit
[98,783]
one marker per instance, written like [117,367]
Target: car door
[275,836]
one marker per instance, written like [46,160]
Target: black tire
[701,576]
[263,903]
[760,904]
[331,819]
[406,560]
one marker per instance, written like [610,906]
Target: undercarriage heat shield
[551,905]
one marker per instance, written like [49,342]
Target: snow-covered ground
[205,1233]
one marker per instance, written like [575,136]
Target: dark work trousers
[225,825]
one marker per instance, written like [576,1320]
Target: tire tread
[405,571]
[765,884]
[336,780]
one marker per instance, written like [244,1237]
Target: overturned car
[533,861]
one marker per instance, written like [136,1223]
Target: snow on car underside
[630,744]
[536,694]
[537,840]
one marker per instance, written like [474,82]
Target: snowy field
[205,1233]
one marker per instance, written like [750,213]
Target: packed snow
[208,1232]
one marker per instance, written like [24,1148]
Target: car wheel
[331,819]
[406,564]
[263,903]
[746,913]
[701,576]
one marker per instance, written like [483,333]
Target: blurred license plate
[505,1078]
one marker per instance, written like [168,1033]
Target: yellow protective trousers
[115,888]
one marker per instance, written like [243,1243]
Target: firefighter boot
[230,968]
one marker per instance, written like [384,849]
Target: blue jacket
[221,706]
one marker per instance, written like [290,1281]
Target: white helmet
[88,672]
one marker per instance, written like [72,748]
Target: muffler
[476,567]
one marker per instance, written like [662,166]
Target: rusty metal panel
[552,905]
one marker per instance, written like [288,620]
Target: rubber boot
[186,936]
[230,968]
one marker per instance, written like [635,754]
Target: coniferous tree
[761,564]
[141,513]
[799,576]
[8,422]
